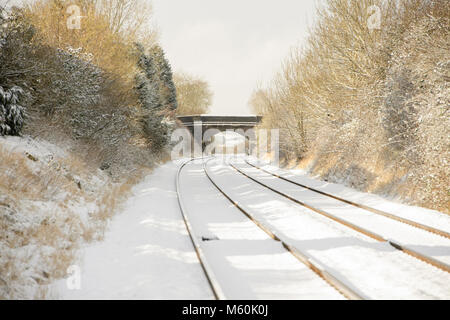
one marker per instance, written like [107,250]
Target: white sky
[232,44]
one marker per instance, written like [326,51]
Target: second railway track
[415,224]
[406,249]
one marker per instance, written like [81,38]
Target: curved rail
[441,265]
[358,205]
[346,289]
[214,284]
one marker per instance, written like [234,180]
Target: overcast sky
[232,44]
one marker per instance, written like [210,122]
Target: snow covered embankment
[50,203]
[146,253]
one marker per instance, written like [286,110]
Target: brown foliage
[193,94]
[370,106]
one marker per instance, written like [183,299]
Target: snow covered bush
[82,81]
[147,84]
[157,131]
[12,111]
[3,21]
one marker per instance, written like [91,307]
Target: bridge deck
[213,120]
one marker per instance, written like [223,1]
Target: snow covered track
[364,225]
[240,260]
[197,230]
[358,205]
[346,289]
[217,290]
[364,262]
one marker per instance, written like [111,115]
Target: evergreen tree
[165,76]
[147,82]
[12,114]
[156,130]
[149,92]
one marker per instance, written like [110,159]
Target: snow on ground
[424,216]
[46,208]
[39,148]
[375,268]
[247,263]
[417,239]
[146,253]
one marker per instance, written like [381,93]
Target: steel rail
[361,206]
[346,289]
[209,273]
[436,263]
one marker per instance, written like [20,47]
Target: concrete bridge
[204,127]
[222,123]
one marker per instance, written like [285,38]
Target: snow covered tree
[149,93]
[157,131]
[2,26]
[12,114]
[147,84]
[15,37]
[167,87]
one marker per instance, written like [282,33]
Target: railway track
[209,272]
[346,289]
[218,281]
[395,244]
[358,205]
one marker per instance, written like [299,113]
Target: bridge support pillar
[198,139]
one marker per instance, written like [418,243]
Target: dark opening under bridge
[204,127]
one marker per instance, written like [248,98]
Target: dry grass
[43,218]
